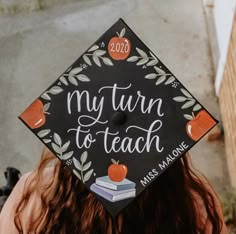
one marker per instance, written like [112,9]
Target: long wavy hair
[170,205]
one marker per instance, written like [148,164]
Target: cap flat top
[118,117]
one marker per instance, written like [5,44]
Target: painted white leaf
[73,80]
[46,96]
[160,80]
[75,71]
[88,175]
[122,33]
[77,163]
[132,59]
[170,80]
[180,99]
[56,148]
[94,47]
[77,174]
[159,70]
[113,161]
[99,52]
[96,60]
[43,133]
[188,117]
[55,90]
[86,166]
[83,156]
[47,140]
[65,146]
[46,107]
[141,52]
[151,76]
[67,155]
[188,104]
[83,78]
[57,139]
[107,61]
[153,55]
[152,63]
[142,61]
[87,60]
[197,107]
[186,93]
[63,80]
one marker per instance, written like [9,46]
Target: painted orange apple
[117,172]
[199,125]
[34,115]
[119,47]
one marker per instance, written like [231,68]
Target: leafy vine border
[72,76]
[161,76]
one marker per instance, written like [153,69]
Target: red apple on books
[117,172]
[199,125]
[34,115]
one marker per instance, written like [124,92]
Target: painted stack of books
[113,191]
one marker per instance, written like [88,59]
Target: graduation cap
[118,117]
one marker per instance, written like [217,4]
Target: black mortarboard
[118,117]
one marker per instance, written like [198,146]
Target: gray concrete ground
[10,7]
[36,48]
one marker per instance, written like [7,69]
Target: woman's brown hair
[179,201]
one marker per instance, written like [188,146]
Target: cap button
[119,118]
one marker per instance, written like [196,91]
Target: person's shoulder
[26,179]
[23,183]
[9,208]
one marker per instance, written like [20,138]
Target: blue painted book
[112,195]
[106,182]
